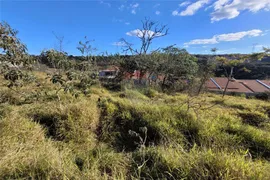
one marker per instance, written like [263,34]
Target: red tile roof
[211,85]
[241,86]
[233,85]
[253,85]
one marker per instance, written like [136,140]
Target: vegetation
[64,125]
[132,134]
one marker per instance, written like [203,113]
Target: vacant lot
[131,134]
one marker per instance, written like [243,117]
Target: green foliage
[55,59]
[177,65]
[134,137]
[86,48]
[14,56]
[133,134]
[13,49]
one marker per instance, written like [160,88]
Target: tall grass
[131,135]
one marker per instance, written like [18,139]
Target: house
[108,73]
[218,84]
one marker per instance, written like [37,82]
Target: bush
[263,96]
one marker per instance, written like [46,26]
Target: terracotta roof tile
[253,85]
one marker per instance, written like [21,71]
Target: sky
[232,26]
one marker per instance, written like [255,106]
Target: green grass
[133,134]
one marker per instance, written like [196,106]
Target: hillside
[131,134]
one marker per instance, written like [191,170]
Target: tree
[150,30]
[206,69]
[60,40]
[14,55]
[177,66]
[229,65]
[55,59]
[86,48]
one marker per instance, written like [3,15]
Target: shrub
[263,96]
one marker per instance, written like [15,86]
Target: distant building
[109,73]
[238,86]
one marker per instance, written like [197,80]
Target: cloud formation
[183,4]
[226,37]
[223,9]
[157,12]
[191,9]
[141,33]
[229,9]
[134,8]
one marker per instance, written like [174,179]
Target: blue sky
[233,26]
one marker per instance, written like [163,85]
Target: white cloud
[141,33]
[157,12]
[183,4]
[120,43]
[127,23]
[226,37]
[134,5]
[239,35]
[175,13]
[219,3]
[191,9]
[134,8]
[202,41]
[229,9]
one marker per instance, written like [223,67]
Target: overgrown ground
[131,135]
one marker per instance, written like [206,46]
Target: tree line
[179,69]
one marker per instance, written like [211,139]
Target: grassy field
[132,134]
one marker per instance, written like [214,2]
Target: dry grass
[102,136]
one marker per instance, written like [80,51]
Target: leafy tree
[14,56]
[206,69]
[177,66]
[86,48]
[55,59]
[229,65]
